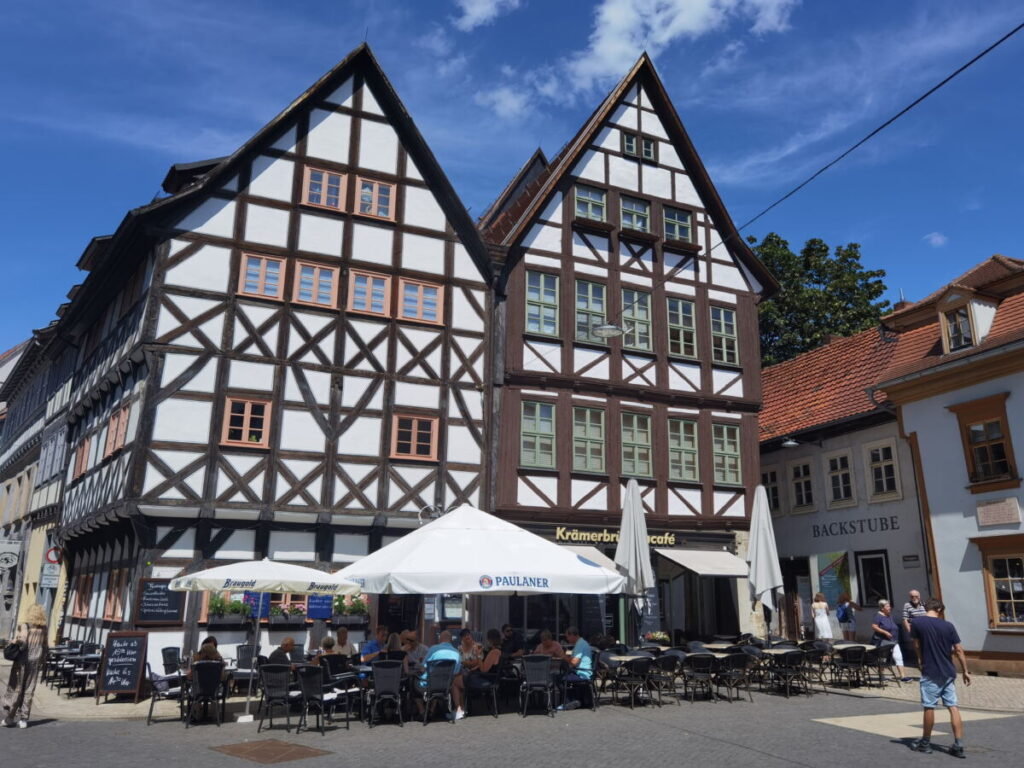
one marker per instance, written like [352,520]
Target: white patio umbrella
[762,554]
[471,552]
[263,576]
[633,554]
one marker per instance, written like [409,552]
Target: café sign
[604,536]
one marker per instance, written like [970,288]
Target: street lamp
[606,331]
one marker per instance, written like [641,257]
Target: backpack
[843,613]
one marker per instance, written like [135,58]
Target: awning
[593,554]
[706,562]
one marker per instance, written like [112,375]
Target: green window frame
[636,319]
[591,202]
[636,213]
[649,148]
[537,435]
[636,444]
[725,446]
[629,144]
[541,303]
[678,225]
[724,346]
[682,450]
[588,438]
[682,328]
[591,309]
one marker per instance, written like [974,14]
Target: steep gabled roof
[824,386]
[530,170]
[508,228]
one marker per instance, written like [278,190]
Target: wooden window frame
[681,328]
[630,336]
[589,203]
[434,421]
[646,141]
[737,454]
[375,198]
[586,441]
[83,596]
[986,410]
[282,274]
[634,214]
[82,457]
[553,434]
[683,451]
[335,281]
[113,603]
[307,175]
[994,548]
[796,507]
[623,143]
[720,339]
[869,471]
[350,301]
[830,474]
[246,416]
[117,426]
[421,284]
[966,341]
[665,221]
[122,427]
[635,444]
[770,481]
[588,312]
[540,302]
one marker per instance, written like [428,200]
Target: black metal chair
[816,665]
[387,687]
[848,663]
[482,684]
[789,670]
[164,688]
[311,686]
[206,687]
[537,679]
[699,672]
[587,684]
[734,674]
[662,677]
[882,661]
[634,677]
[247,664]
[438,687]
[171,660]
[335,665]
[510,678]
[274,681]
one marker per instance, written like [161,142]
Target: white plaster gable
[370,243]
[287,141]
[645,100]
[657,181]
[650,123]
[685,191]
[609,138]
[342,94]
[208,268]
[590,166]
[624,173]
[320,234]
[464,316]
[272,177]
[667,155]
[328,136]
[422,210]
[412,171]
[213,216]
[378,147]
[266,225]
[424,254]
[625,115]
[370,103]
[464,267]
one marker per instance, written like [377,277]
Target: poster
[253,598]
[833,576]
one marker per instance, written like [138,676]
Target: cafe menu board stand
[124,660]
[157,606]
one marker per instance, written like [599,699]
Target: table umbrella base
[242,717]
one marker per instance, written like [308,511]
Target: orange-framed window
[418,300]
[324,189]
[83,596]
[82,458]
[315,285]
[369,293]
[375,198]
[246,422]
[261,276]
[117,428]
[414,437]
[122,427]
[988,449]
[113,606]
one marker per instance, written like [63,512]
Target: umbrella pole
[247,717]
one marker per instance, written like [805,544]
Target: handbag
[13,651]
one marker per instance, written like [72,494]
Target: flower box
[227,619]
[350,619]
[288,620]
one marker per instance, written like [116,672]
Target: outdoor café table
[840,646]
[718,646]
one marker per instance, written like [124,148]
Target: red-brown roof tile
[825,385]
[981,274]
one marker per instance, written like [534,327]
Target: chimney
[901,304]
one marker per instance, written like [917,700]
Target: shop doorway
[873,577]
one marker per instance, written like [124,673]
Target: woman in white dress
[822,626]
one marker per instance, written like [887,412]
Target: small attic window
[957,328]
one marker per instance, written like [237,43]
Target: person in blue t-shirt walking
[581,661]
[937,641]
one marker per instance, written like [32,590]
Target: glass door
[873,578]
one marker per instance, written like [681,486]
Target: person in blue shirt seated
[372,648]
[444,650]
[582,662]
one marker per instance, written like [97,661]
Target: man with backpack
[936,641]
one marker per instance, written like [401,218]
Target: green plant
[295,609]
[657,636]
[275,610]
[357,606]
[217,605]
[238,608]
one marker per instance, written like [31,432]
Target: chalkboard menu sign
[157,606]
[124,660]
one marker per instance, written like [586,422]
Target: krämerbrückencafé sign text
[604,536]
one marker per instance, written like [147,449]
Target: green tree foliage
[821,294]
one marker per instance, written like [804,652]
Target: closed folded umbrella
[633,554]
[762,554]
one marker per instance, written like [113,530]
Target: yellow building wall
[33,565]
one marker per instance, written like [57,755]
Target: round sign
[8,559]
[53,555]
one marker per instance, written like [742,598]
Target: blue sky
[99,98]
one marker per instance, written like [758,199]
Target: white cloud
[726,61]
[935,239]
[477,13]
[506,102]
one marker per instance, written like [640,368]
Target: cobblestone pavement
[1000,694]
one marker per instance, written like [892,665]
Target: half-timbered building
[624,228]
[285,357]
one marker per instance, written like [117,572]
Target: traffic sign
[10,551]
[49,576]
[54,555]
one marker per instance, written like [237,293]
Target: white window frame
[778,485]
[869,479]
[801,509]
[827,471]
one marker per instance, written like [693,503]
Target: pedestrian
[21,686]
[822,626]
[887,633]
[913,607]
[846,615]
[936,642]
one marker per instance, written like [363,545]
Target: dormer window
[958,329]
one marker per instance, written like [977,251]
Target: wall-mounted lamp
[606,331]
[789,442]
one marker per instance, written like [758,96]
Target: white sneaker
[459,714]
[23,723]
[6,722]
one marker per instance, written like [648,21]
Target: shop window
[1003,565]
[414,437]
[590,310]
[770,481]
[537,435]
[541,303]
[588,439]
[839,470]
[988,450]
[801,486]
[246,422]
[682,450]
[636,444]
[726,453]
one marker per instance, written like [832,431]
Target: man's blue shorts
[933,690]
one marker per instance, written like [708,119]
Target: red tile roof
[825,385]
[988,271]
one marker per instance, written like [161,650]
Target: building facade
[840,483]
[957,380]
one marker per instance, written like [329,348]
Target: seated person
[208,652]
[415,651]
[512,646]
[440,652]
[393,651]
[373,648]
[342,645]
[581,661]
[470,653]
[280,654]
[486,667]
[549,646]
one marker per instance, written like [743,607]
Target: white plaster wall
[183,421]
[423,254]
[328,136]
[211,217]
[245,375]
[378,147]
[362,438]
[320,234]
[292,545]
[462,448]
[422,210]
[208,268]
[266,225]
[953,506]
[421,395]
[299,432]
[984,314]
[272,177]
[371,243]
